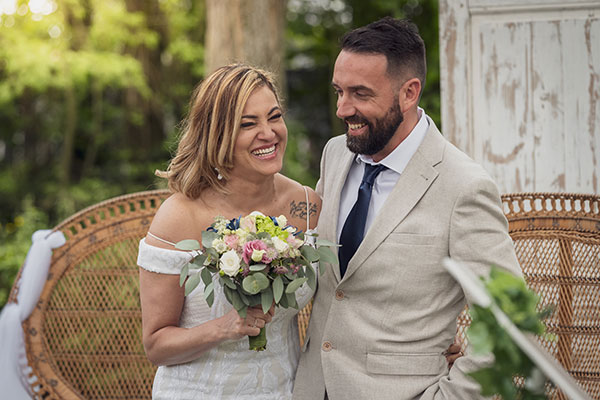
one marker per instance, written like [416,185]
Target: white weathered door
[521,90]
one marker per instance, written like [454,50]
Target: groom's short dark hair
[397,39]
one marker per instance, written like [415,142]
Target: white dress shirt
[395,162]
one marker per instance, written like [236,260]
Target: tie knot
[371,172]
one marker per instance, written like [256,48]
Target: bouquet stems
[258,342]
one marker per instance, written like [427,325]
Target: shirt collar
[401,155]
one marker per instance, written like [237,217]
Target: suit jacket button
[327,346]
[339,294]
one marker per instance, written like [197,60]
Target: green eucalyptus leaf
[206,276]
[264,235]
[301,260]
[327,255]
[244,298]
[262,280]
[309,253]
[312,277]
[184,273]
[250,284]
[277,288]
[208,237]
[199,260]
[210,299]
[212,254]
[227,293]
[290,276]
[295,285]
[225,280]
[208,290]
[266,298]
[291,299]
[283,302]
[237,302]
[257,267]
[324,242]
[254,300]
[191,283]
[188,244]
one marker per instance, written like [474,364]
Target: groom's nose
[345,107]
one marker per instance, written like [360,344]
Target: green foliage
[313,32]
[15,237]
[92,93]
[486,336]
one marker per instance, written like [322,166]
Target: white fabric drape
[12,349]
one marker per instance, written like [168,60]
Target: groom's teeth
[265,151]
[355,126]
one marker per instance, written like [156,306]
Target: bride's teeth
[262,152]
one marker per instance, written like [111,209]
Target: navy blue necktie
[354,227]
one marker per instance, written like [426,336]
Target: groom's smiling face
[367,103]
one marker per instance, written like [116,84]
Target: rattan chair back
[83,340]
[557,241]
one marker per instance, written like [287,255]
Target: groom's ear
[408,96]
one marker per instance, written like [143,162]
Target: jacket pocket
[405,363]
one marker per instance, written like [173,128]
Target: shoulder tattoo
[299,209]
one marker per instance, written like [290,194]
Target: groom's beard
[378,134]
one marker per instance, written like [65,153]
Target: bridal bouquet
[258,260]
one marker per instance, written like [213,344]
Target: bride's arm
[162,300]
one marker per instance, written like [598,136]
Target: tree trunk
[250,31]
[148,134]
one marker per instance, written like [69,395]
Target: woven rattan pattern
[557,241]
[83,340]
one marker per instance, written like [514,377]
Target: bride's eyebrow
[252,116]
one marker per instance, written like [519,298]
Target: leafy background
[92,92]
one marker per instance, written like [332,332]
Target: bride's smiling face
[260,145]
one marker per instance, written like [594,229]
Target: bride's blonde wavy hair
[211,128]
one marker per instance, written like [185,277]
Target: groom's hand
[453,353]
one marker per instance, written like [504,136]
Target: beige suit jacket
[379,332]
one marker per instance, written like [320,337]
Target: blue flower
[234,223]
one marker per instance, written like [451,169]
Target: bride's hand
[236,327]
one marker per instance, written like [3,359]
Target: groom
[381,321]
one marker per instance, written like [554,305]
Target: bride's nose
[266,133]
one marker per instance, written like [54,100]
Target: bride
[227,164]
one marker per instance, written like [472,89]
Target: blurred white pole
[476,292]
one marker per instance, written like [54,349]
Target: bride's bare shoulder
[295,195]
[179,217]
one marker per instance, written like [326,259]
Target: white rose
[219,245]
[280,245]
[230,263]
[281,221]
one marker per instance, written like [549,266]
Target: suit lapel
[414,181]
[337,178]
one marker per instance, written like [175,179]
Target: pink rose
[249,248]
[231,241]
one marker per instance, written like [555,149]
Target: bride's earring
[219,176]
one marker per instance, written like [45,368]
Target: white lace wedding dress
[230,370]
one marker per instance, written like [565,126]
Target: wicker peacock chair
[557,241]
[84,338]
